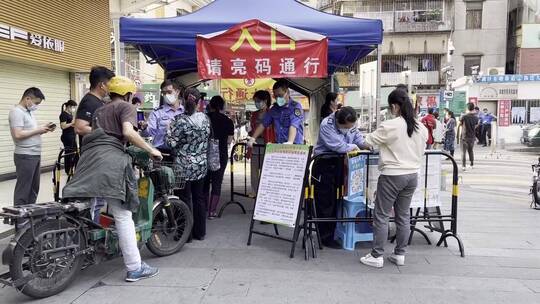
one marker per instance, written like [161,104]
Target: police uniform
[158,123]
[291,114]
[327,174]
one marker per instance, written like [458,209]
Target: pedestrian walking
[450,132]
[263,101]
[222,130]
[468,124]
[429,122]
[401,142]
[438,133]
[187,137]
[68,135]
[26,135]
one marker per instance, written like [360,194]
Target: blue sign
[355,176]
[509,78]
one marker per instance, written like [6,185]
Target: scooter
[55,240]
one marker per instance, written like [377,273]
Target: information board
[355,182]
[281,184]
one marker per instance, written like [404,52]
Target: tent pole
[332,87]
[119,58]
[378,84]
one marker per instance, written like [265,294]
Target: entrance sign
[281,184]
[258,49]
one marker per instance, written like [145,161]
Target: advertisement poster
[535,115]
[457,105]
[504,113]
[519,115]
[238,91]
[281,185]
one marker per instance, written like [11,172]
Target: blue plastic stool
[352,233]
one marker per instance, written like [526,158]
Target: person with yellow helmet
[104,162]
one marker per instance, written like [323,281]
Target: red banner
[504,113]
[254,49]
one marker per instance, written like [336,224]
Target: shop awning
[171,42]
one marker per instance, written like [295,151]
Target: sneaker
[372,261]
[144,272]
[472,167]
[464,169]
[397,259]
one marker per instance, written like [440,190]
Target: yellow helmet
[122,85]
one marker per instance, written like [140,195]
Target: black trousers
[327,177]
[193,195]
[486,134]
[28,172]
[214,179]
[70,149]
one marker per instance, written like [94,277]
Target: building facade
[50,45]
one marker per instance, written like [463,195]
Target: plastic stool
[352,233]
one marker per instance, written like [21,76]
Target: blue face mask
[280,101]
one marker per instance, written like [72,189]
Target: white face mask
[170,99]
[33,108]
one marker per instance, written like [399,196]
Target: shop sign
[491,92]
[255,49]
[504,113]
[37,40]
[508,78]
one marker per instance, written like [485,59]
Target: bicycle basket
[168,176]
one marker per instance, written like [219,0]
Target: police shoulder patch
[297,112]
[330,121]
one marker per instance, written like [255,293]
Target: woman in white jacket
[401,143]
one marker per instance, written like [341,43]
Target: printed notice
[281,185]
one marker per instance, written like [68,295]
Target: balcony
[410,21]
[417,78]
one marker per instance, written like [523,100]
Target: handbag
[213,151]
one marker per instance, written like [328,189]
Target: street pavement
[499,230]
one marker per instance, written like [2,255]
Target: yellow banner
[239,91]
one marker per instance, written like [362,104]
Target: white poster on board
[281,185]
[535,114]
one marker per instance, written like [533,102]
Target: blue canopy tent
[170,42]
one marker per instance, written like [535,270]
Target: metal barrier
[239,153]
[311,220]
[57,172]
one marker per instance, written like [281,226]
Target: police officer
[286,115]
[159,119]
[338,134]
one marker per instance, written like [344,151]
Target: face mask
[280,101]
[259,105]
[170,99]
[344,131]
[33,108]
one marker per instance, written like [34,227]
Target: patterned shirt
[188,138]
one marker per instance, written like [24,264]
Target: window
[471,61]
[473,18]
[429,63]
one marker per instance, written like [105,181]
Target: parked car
[531,136]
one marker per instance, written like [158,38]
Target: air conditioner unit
[495,71]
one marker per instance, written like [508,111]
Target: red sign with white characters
[504,112]
[255,49]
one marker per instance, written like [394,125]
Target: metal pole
[119,56]
[378,84]
[332,88]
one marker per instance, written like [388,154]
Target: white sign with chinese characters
[37,40]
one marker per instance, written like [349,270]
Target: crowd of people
[182,132]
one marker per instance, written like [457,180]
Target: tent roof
[171,41]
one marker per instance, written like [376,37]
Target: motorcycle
[55,240]
[535,188]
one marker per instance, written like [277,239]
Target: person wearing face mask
[286,115]
[337,134]
[26,135]
[263,101]
[68,134]
[105,170]
[94,99]
[159,119]
[401,142]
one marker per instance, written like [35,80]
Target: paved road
[500,232]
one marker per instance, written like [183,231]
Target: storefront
[514,99]
[50,45]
